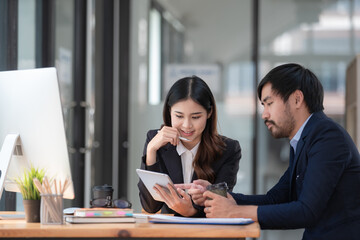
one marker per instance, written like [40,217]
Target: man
[320,190]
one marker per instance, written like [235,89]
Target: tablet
[150,178]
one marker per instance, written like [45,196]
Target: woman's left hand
[176,199]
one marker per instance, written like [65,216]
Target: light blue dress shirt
[294,141]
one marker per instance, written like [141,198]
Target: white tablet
[150,178]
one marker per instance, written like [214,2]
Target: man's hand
[217,206]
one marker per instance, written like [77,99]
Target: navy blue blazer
[168,161]
[320,191]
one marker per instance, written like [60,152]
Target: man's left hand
[217,206]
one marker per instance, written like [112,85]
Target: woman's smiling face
[190,119]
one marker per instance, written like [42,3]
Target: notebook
[74,219]
[103,212]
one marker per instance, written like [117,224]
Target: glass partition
[64,20]
[321,35]
[26,34]
[194,38]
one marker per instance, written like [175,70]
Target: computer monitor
[32,129]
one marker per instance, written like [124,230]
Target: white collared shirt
[187,158]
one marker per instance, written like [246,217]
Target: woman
[188,147]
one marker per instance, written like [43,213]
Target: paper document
[12,216]
[159,218]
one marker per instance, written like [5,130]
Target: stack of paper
[159,218]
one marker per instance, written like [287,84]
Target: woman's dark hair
[212,145]
[286,79]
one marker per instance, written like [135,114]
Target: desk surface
[20,229]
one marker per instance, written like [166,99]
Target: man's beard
[288,125]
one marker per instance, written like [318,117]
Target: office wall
[183,51]
[352,111]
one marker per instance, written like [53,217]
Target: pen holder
[51,210]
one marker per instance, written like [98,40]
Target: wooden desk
[21,229]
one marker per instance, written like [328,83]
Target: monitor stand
[11,147]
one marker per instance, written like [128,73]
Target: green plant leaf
[26,184]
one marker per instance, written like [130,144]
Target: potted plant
[31,195]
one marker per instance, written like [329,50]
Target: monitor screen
[30,108]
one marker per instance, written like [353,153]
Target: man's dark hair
[286,79]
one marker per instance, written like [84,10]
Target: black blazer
[320,191]
[168,161]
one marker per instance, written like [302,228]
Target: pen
[185,139]
[181,138]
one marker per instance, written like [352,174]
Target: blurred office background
[117,58]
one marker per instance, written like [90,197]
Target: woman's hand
[176,199]
[164,136]
[196,190]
